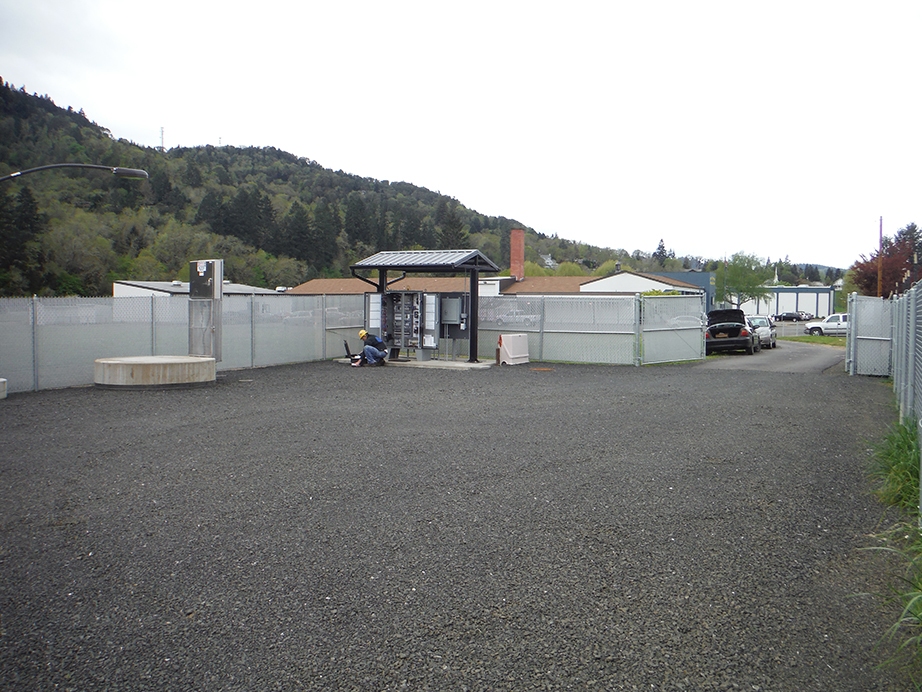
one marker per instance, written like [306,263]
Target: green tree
[209,210]
[660,255]
[192,176]
[177,244]
[453,235]
[76,258]
[505,242]
[570,269]
[607,268]
[441,211]
[325,230]
[146,267]
[358,224]
[534,269]
[296,233]
[742,279]
[20,223]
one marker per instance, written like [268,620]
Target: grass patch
[895,469]
[895,474]
[807,339]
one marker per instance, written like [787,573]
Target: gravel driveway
[531,527]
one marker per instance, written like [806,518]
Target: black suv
[729,330]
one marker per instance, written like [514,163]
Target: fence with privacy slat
[48,343]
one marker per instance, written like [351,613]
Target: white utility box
[513,349]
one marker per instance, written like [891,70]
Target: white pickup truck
[834,325]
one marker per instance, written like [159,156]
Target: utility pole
[880,259]
[161,141]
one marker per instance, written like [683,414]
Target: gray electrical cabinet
[416,320]
[206,291]
[405,319]
[456,310]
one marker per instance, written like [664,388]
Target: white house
[637,282]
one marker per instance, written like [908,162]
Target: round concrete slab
[142,372]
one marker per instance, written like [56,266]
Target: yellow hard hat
[362,333]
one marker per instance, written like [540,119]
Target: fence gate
[672,329]
[869,336]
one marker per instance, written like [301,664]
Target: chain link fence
[47,343]
[905,359]
[613,330]
[906,356]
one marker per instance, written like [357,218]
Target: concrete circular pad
[142,372]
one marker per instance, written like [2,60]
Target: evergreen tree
[192,176]
[20,222]
[326,229]
[209,210]
[453,236]
[297,233]
[660,255]
[358,224]
[441,211]
[505,242]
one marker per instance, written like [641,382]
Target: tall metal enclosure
[206,292]
[418,314]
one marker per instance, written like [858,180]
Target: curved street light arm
[117,171]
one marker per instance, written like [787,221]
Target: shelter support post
[472,318]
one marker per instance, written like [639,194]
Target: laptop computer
[353,357]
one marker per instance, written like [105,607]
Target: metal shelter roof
[444,261]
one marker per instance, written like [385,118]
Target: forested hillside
[275,219]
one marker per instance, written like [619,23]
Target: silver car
[766,329]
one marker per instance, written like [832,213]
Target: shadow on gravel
[324,527]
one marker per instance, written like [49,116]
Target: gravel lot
[532,527]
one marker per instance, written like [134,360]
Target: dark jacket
[375,341]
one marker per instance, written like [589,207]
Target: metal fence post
[34,317]
[323,342]
[907,351]
[850,335]
[638,328]
[252,330]
[541,329]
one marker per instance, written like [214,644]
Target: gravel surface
[532,527]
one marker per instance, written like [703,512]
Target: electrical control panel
[416,320]
[406,312]
[405,319]
[206,291]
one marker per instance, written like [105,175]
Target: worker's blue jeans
[373,355]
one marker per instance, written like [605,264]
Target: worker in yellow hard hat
[374,351]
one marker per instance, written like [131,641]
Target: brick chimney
[517,253]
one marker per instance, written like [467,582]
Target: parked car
[834,325]
[768,335]
[301,317]
[728,330]
[805,316]
[788,317]
[686,322]
[517,317]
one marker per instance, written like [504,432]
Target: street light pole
[117,171]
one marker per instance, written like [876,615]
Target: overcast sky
[775,129]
